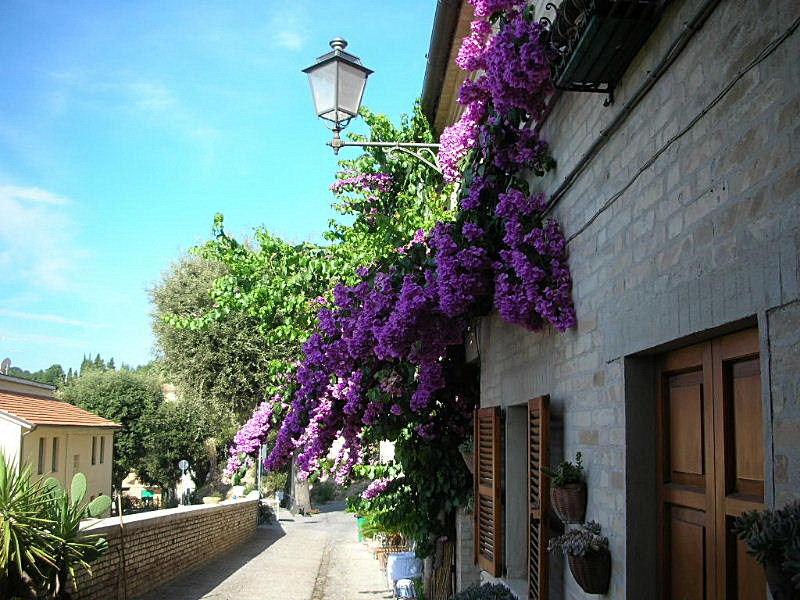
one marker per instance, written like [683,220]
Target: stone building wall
[704,240]
[161,545]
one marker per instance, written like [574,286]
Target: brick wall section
[161,546]
[707,236]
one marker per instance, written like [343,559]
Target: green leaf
[77,490]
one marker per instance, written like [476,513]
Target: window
[94,449]
[538,496]
[40,468]
[54,458]
[488,487]
[102,449]
[76,463]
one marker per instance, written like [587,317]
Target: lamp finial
[338,43]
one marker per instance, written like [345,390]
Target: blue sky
[124,126]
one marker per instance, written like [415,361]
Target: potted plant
[773,539]
[568,490]
[588,556]
[486,591]
[214,498]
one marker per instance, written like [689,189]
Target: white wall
[10,440]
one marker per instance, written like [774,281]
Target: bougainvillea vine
[386,358]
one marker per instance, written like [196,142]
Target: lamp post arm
[415,149]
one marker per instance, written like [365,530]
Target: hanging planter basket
[592,571]
[569,502]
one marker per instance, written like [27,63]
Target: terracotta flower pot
[569,502]
[592,572]
[780,583]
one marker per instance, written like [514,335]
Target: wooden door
[711,467]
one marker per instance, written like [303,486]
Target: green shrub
[566,472]
[487,591]
[274,482]
[322,492]
[773,538]
[42,542]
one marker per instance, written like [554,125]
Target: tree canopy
[124,397]
[224,362]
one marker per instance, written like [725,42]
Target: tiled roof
[40,410]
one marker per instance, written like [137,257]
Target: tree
[278,287]
[122,396]
[224,362]
[181,430]
[53,375]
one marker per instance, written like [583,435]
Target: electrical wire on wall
[761,57]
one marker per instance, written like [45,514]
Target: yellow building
[54,437]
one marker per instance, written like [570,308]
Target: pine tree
[86,365]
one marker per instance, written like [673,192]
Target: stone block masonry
[704,241]
[153,548]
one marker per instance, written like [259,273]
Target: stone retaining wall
[158,546]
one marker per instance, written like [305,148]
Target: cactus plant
[26,548]
[72,548]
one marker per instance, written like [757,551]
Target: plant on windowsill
[568,490]
[773,539]
[588,556]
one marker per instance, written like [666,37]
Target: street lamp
[337,83]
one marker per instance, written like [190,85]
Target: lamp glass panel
[351,88]
[323,86]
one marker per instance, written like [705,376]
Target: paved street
[300,558]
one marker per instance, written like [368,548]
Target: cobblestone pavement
[299,558]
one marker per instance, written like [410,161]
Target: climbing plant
[385,359]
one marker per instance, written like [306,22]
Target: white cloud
[47,318]
[291,40]
[33,194]
[287,26]
[153,97]
[7,337]
[36,237]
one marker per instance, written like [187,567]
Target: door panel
[685,409]
[746,432]
[687,503]
[687,554]
[747,576]
[712,467]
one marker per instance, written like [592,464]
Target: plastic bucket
[360,521]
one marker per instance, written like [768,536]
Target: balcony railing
[596,40]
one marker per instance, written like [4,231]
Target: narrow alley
[299,558]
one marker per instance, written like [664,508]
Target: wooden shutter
[538,495]
[488,488]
